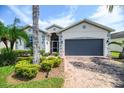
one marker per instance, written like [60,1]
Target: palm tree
[12,33]
[110,8]
[36,45]
[16,32]
[4,37]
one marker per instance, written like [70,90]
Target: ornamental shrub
[25,69]
[51,58]
[47,65]
[56,53]
[7,57]
[42,59]
[57,62]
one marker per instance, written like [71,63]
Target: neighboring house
[117,37]
[84,38]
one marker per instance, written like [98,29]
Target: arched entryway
[54,44]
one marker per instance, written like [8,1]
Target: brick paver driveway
[93,72]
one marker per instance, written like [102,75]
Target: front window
[30,30]
[43,39]
[20,41]
[16,45]
[30,38]
[30,42]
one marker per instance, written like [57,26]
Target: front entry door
[55,46]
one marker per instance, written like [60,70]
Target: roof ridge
[90,22]
[54,25]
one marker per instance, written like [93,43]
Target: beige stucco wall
[53,29]
[2,45]
[90,31]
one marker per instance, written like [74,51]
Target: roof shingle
[117,35]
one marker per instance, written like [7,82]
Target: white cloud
[114,19]
[72,8]
[63,19]
[21,14]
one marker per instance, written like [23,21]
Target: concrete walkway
[92,72]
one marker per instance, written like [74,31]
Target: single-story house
[84,38]
[117,37]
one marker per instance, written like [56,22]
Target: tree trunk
[36,45]
[47,74]
[5,43]
[12,44]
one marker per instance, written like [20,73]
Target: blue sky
[64,15]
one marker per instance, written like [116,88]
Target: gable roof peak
[89,22]
[54,25]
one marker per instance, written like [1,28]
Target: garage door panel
[84,47]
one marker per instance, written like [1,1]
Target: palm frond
[110,8]
[25,28]
[16,20]
[3,31]
[117,43]
[23,35]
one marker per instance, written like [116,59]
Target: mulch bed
[55,72]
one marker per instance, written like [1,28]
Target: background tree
[36,45]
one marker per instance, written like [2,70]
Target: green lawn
[47,83]
[115,54]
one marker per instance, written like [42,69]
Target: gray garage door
[88,47]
